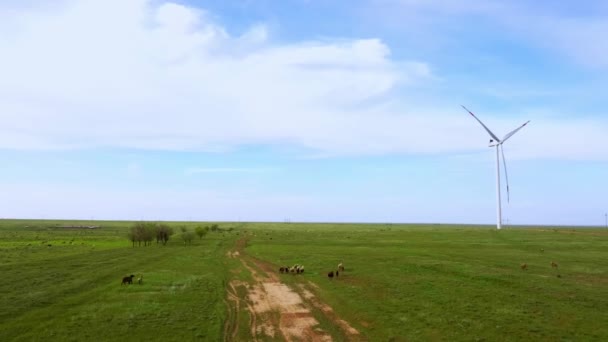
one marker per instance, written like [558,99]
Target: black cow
[127,280]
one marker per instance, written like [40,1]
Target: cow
[127,280]
[330,274]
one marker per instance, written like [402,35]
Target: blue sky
[303,110]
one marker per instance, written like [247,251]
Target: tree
[149,234]
[141,232]
[187,237]
[132,236]
[200,231]
[215,227]
[163,233]
[183,229]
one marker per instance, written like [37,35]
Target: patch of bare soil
[276,310]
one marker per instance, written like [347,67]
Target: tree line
[146,232]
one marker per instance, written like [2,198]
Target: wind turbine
[495,142]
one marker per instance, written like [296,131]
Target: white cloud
[144,74]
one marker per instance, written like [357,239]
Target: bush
[200,231]
[187,237]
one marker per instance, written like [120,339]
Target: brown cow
[554,264]
[330,274]
[524,266]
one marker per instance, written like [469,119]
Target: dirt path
[277,311]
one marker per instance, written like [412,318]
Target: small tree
[132,236]
[215,227]
[200,231]
[187,237]
[150,233]
[139,231]
[163,233]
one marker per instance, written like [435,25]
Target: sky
[303,110]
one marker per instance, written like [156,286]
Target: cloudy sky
[307,110]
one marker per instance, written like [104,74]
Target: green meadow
[401,282]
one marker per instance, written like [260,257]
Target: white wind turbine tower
[495,142]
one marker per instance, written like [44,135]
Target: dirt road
[277,311]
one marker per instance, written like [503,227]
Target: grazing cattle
[337,273]
[330,274]
[295,269]
[340,267]
[127,280]
[140,280]
[524,266]
[554,264]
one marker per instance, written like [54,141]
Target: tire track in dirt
[276,310]
[231,325]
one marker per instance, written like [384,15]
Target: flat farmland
[65,285]
[452,282]
[400,282]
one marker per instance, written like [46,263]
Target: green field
[401,282]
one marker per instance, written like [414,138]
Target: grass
[453,283]
[402,282]
[70,291]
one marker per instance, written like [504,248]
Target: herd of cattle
[297,269]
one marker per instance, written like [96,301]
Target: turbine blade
[484,126]
[514,131]
[504,163]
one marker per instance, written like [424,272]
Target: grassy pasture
[70,291]
[402,282]
[451,283]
